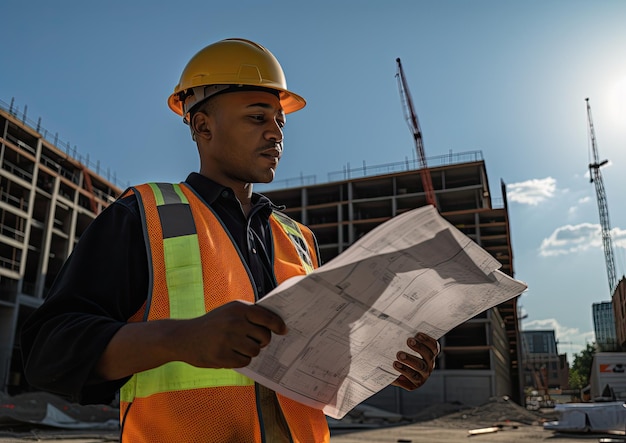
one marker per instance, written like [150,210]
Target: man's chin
[268,178]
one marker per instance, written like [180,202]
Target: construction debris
[499,411]
[488,430]
[606,417]
[48,410]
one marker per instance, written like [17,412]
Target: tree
[580,372]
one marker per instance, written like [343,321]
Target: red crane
[414,126]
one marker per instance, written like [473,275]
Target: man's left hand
[415,369]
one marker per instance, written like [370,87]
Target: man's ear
[200,125]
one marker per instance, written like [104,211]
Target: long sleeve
[101,285]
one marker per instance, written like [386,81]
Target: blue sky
[506,78]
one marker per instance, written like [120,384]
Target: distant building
[543,367]
[619,311]
[604,326]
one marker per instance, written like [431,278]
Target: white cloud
[532,192]
[584,200]
[619,237]
[551,324]
[571,239]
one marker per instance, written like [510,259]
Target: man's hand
[229,336]
[415,369]
[226,337]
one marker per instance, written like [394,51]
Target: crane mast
[414,126]
[596,178]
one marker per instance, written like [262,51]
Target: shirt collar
[210,191]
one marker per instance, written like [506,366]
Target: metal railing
[407,165]
[59,144]
[349,172]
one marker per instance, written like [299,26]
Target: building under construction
[480,358]
[543,367]
[48,198]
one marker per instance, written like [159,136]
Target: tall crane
[596,177]
[414,126]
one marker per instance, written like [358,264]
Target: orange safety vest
[194,268]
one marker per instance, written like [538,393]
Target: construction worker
[156,300]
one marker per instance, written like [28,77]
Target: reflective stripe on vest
[183,269]
[295,234]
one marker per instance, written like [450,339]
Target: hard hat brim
[289,101]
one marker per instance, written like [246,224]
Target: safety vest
[194,268]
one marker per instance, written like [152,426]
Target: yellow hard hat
[233,61]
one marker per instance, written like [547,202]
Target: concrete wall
[471,388]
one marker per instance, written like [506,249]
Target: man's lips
[272,154]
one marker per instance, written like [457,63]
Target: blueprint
[348,319]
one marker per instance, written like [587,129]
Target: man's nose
[275,132]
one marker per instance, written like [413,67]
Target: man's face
[245,138]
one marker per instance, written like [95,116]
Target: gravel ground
[425,432]
[500,420]
[430,433]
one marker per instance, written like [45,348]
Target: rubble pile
[498,411]
[501,412]
[439,410]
